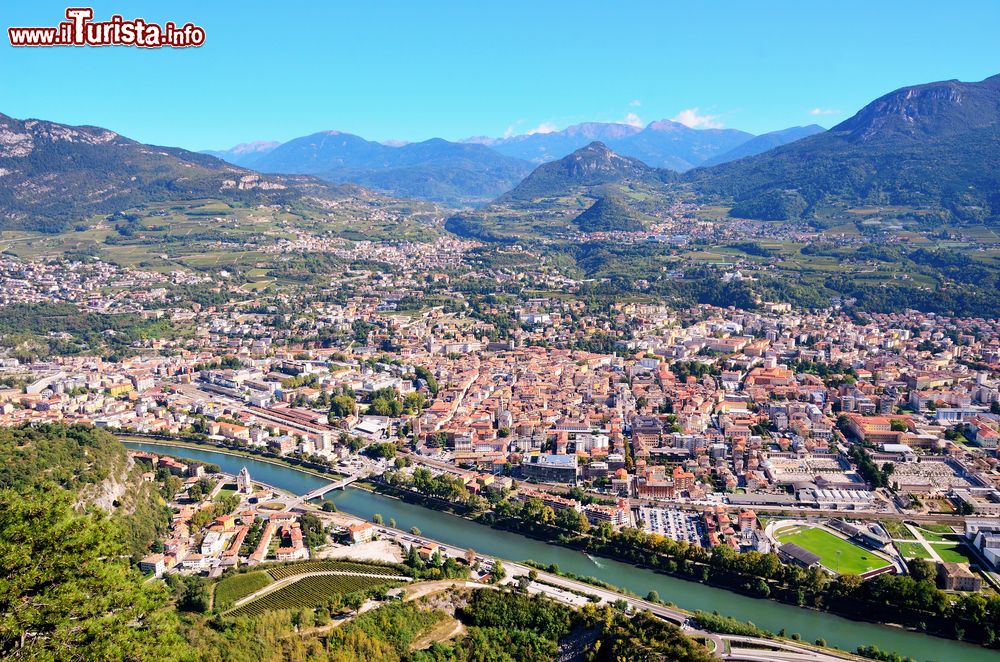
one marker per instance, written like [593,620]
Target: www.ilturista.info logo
[80,30]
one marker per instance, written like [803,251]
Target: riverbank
[691,596]
[225,450]
[684,569]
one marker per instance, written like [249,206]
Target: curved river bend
[812,625]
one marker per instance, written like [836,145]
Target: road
[783,651]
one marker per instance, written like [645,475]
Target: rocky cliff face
[933,110]
[109,495]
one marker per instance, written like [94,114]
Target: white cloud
[691,118]
[509,131]
[632,119]
[544,127]
[824,111]
[635,103]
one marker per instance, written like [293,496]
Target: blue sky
[419,69]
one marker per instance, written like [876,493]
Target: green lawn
[835,553]
[952,553]
[912,550]
[225,492]
[932,536]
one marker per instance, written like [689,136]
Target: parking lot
[672,523]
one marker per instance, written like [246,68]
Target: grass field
[952,553]
[232,589]
[226,491]
[309,592]
[931,536]
[912,550]
[835,553]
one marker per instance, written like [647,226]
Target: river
[459,532]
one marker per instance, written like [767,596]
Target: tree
[498,573]
[312,530]
[385,450]
[414,402]
[342,406]
[386,402]
[190,592]
[69,590]
[377,518]
[426,375]
[353,601]
[413,558]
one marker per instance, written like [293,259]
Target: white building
[243,483]
[213,543]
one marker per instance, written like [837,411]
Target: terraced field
[331,566]
[234,588]
[310,592]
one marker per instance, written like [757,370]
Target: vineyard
[328,566]
[309,592]
[231,589]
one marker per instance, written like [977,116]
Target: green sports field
[835,553]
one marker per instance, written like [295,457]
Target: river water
[453,530]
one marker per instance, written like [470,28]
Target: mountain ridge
[764,142]
[662,143]
[933,145]
[433,169]
[54,174]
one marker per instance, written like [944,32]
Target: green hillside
[609,214]
[934,147]
[55,175]
[91,466]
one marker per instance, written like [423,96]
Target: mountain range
[764,142]
[935,147]
[432,170]
[661,144]
[479,169]
[52,175]
[931,151]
